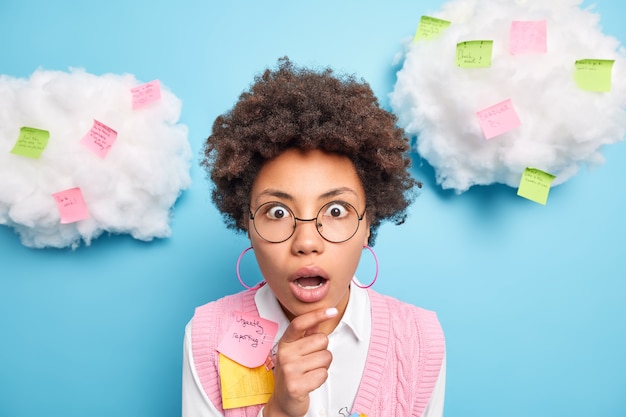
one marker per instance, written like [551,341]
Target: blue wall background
[532,298]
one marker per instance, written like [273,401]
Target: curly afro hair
[293,107]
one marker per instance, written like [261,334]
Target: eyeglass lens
[336,221]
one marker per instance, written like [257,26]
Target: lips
[309,284]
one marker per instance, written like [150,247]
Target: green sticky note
[31,142]
[535,185]
[594,74]
[474,54]
[430,28]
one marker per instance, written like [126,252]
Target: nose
[306,239]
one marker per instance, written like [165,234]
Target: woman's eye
[277,213]
[336,210]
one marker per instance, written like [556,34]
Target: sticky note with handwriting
[31,142]
[430,28]
[535,185]
[146,94]
[248,340]
[594,74]
[498,119]
[528,37]
[474,54]
[243,386]
[99,138]
[71,205]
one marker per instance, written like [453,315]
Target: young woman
[308,165]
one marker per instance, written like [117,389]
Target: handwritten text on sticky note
[474,54]
[242,386]
[498,119]
[99,138]
[146,94]
[249,339]
[535,185]
[594,74]
[430,28]
[31,142]
[528,37]
[71,205]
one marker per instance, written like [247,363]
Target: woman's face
[307,272]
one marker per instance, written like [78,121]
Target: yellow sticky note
[594,74]
[535,185]
[430,28]
[474,54]
[31,142]
[243,386]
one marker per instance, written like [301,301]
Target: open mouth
[310,283]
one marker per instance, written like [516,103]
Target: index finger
[307,323]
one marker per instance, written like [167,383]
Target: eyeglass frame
[297,219]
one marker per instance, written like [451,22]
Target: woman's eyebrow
[274,193]
[270,192]
[338,191]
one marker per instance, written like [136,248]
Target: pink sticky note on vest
[248,340]
[99,139]
[498,119]
[145,94]
[71,205]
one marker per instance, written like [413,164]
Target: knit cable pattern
[403,363]
[406,353]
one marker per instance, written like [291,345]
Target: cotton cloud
[130,190]
[563,127]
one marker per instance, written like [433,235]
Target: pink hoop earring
[237,268]
[375,276]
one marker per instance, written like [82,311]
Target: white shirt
[348,344]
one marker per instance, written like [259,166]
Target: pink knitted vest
[403,364]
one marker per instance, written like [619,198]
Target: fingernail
[331,312]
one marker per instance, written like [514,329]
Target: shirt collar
[352,319]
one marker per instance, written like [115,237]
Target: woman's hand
[302,363]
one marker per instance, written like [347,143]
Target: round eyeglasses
[336,221]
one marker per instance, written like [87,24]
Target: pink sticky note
[71,205]
[498,119]
[99,139]
[145,94]
[528,37]
[248,340]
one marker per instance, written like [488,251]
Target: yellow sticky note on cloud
[474,54]
[31,142]
[594,74]
[535,185]
[242,386]
[430,28]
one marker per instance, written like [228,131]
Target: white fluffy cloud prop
[130,190]
[563,127]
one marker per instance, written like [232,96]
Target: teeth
[299,283]
[309,287]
